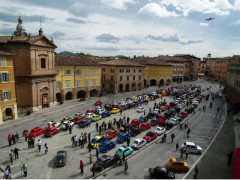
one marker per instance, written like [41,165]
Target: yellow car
[66,119]
[135,99]
[97,141]
[163,108]
[177,164]
[159,95]
[115,110]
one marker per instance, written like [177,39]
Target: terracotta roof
[3,53]
[65,60]
[121,62]
[159,60]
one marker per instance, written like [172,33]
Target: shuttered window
[6,95]
[4,77]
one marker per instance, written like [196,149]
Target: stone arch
[58,97]
[161,82]
[8,113]
[81,94]
[120,87]
[94,93]
[153,82]
[127,88]
[145,82]
[133,86]
[168,81]
[69,96]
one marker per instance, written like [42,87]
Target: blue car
[106,114]
[149,93]
[107,145]
[84,123]
[141,101]
[124,149]
[143,118]
[123,137]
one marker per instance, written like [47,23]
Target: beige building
[121,75]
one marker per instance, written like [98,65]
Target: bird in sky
[209,19]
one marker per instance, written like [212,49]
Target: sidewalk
[214,164]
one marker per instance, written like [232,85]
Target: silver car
[193,148]
[138,143]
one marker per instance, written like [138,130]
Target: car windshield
[135,142]
[95,140]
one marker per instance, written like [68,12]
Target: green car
[143,118]
[96,117]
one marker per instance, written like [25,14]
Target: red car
[36,131]
[129,105]
[150,136]
[90,111]
[161,116]
[98,103]
[135,122]
[51,131]
[145,126]
[168,106]
[161,122]
[184,113]
[151,98]
[112,133]
[78,119]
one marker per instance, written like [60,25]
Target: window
[111,78]
[151,74]
[58,85]
[128,70]
[121,78]
[4,77]
[134,70]
[58,71]
[140,70]
[3,62]
[43,63]
[152,67]
[103,77]
[103,86]
[94,71]
[155,74]
[77,83]
[68,84]
[68,72]
[6,95]
[156,67]
[87,71]
[133,77]
[140,77]
[78,71]
[127,78]
[103,69]
[94,82]
[112,70]
[87,83]
[121,70]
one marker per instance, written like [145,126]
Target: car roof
[150,133]
[161,169]
[190,143]
[138,139]
[62,151]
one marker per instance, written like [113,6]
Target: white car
[160,130]
[138,143]
[129,101]
[101,111]
[79,115]
[66,124]
[220,94]
[156,111]
[193,148]
[89,115]
[154,93]
[196,103]
[140,109]
[53,123]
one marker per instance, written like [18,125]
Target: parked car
[54,124]
[174,121]
[123,137]
[115,110]
[112,134]
[98,103]
[97,141]
[177,164]
[78,119]
[90,111]
[163,108]
[151,115]
[36,131]
[161,122]
[160,130]
[167,125]
[138,143]
[84,123]
[154,121]
[89,115]
[135,131]
[196,103]
[96,117]
[184,113]
[150,136]
[67,119]
[161,173]
[193,148]
[61,158]
[66,124]
[51,131]
[143,118]
[103,162]
[145,126]
[124,149]
[140,109]
[108,107]
[135,122]
[107,145]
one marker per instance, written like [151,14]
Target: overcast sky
[130,27]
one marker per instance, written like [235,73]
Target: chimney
[52,40]
[40,32]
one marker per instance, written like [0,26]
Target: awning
[201,74]
[235,99]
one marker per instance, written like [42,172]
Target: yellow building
[77,77]
[8,105]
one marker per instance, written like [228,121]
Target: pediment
[43,42]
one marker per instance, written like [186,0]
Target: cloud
[57,35]
[102,48]
[190,42]
[75,20]
[236,23]
[7,31]
[236,5]
[165,39]
[203,24]
[118,4]
[79,9]
[219,7]
[107,38]
[154,9]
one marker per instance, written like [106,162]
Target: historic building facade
[77,77]
[34,68]
[121,75]
[8,104]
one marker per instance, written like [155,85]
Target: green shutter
[7,77]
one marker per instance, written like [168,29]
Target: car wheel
[199,152]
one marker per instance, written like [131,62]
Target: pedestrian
[46,148]
[97,152]
[97,127]
[93,170]
[5,173]
[82,142]
[181,150]
[177,146]
[70,129]
[188,132]
[39,144]
[100,129]
[72,139]
[26,135]
[90,159]
[13,139]
[172,136]
[81,166]
[195,172]
[16,153]
[75,140]
[89,146]
[128,141]
[230,157]
[144,113]
[9,139]
[24,169]
[11,156]
[89,136]
[187,152]
[125,165]
[128,119]
[29,143]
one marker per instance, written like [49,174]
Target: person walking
[177,146]
[46,148]
[13,139]
[187,152]
[90,159]
[172,136]
[9,139]
[39,145]
[125,165]
[128,119]
[93,169]
[188,132]
[181,150]
[89,146]
[195,172]
[89,137]
[81,167]
[128,141]
[97,152]
[11,156]
[70,129]
[97,126]
[16,153]
[24,169]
